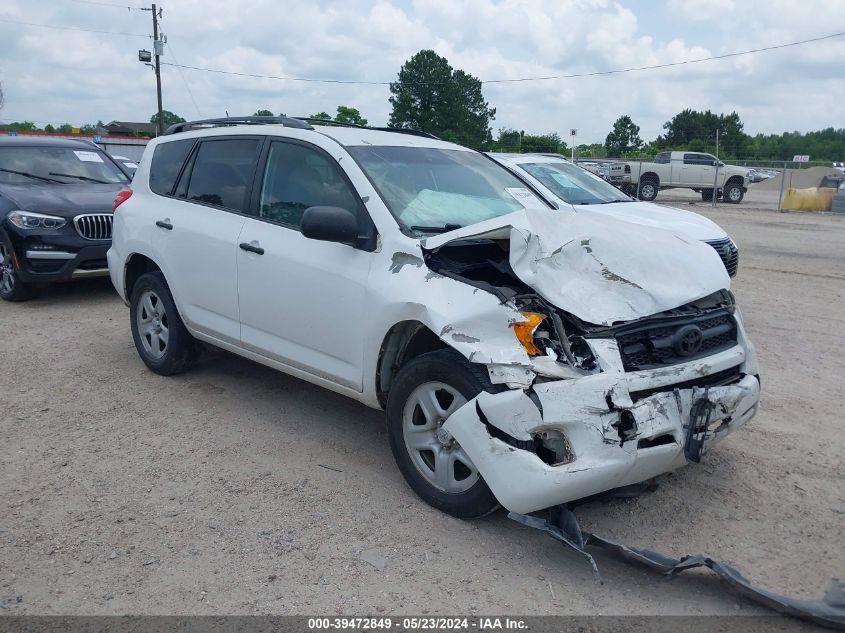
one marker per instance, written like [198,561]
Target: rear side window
[222,172]
[662,157]
[167,163]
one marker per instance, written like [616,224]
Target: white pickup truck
[690,170]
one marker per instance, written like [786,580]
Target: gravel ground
[234,489]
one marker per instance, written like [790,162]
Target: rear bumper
[619,429]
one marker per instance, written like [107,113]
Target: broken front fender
[610,440]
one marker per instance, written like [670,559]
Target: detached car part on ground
[525,355]
[558,179]
[55,212]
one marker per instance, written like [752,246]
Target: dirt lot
[235,489]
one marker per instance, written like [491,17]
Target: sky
[55,76]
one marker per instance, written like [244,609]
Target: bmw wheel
[11,286]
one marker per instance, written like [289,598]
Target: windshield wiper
[33,176]
[85,178]
[437,229]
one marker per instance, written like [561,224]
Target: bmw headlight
[31,220]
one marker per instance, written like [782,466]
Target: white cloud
[52,75]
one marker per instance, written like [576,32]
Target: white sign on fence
[801,158]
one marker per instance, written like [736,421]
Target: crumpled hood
[655,215]
[62,200]
[602,272]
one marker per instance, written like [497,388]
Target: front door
[302,302]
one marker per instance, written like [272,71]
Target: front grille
[719,379]
[728,252]
[94,226]
[651,346]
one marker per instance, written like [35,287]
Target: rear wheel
[733,193]
[161,338]
[426,392]
[648,189]
[11,286]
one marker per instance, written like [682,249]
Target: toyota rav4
[525,355]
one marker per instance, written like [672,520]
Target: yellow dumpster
[812,199]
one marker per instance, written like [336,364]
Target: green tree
[321,115]
[623,138]
[168,118]
[433,97]
[543,143]
[346,114]
[49,128]
[263,113]
[65,128]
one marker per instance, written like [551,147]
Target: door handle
[164,224]
[246,246]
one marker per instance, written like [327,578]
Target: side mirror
[715,163]
[330,224]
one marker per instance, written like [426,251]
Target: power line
[668,65]
[72,28]
[108,4]
[520,79]
[184,81]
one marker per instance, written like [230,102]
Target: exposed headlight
[30,220]
[524,332]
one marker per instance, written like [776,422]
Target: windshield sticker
[88,157]
[524,197]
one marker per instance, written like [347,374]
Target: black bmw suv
[56,200]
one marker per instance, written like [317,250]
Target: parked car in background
[129,165]
[55,211]
[839,166]
[689,170]
[525,355]
[582,189]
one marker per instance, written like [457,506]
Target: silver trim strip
[94,226]
[49,255]
[99,272]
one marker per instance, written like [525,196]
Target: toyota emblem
[688,340]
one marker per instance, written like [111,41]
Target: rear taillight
[122,196]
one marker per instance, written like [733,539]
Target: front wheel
[161,338]
[426,392]
[11,286]
[733,193]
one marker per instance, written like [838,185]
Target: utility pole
[158,46]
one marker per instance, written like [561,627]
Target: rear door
[197,228]
[303,302]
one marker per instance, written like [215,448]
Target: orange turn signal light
[525,331]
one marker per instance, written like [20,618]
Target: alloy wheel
[7,271]
[434,452]
[152,324]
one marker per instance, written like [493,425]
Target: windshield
[57,165]
[573,184]
[431,190]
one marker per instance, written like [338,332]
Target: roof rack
[398,130]
[239,120]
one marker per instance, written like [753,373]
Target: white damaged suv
[525,355]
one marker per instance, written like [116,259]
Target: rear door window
[167,163]
[222,172]
[662,157]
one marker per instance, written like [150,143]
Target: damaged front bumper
[613,429]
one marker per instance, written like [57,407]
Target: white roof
[349,136]
[521,159]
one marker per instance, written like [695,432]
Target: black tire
[707,195]
[450,368]
[180,349]
[733,193]
[648,189]
[11,286]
